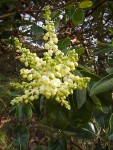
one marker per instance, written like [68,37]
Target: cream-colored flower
[50,76]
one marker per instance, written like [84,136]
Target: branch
[27,10]
[7,15]
[11,13]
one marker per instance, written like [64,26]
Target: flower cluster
[49,76]
[50,36]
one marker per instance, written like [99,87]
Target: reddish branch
[7,15]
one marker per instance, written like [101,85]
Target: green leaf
[85,4]
[70,6]
[57,21]
[80,97]
[55,15]
[65,19]
[103,50]
[109,70]
[105,98]
[70,11]
[79,50]
[40,147]
[58,117]
[78,17]
[97,102]
[38,31]
[103,85]
[21,137]
[93,77]
[24,111]
[111,127]
[82,115]
[86,132]
[111,30]
[63,44]
[58,144]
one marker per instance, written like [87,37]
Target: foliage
[83,25]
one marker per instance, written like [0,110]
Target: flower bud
[47,46]
[31,98]
[29,77]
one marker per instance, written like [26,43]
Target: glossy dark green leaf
[40,147]
[105,98]
[87,132]
[78,17]
[103,85]
[93,76]
[63,44]
[83,115]
[58,144]
[80,97]
[56,114]
[37,30]
[24,111]
[97,102]
[21,137]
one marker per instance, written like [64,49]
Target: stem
[3,103]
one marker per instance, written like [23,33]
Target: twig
[3,103]
[7,15]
